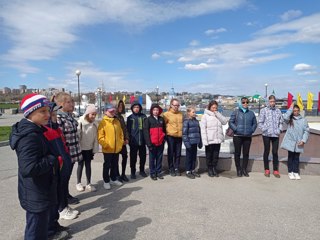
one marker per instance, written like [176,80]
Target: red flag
[319,102]
[290,98]
[132,98]
[110,98]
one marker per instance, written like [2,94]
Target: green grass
[4,133]
[9,105]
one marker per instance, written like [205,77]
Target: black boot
[215,172]
[239,172]
[210,172]
[245,173]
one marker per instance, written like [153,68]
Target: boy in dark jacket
[154,135]
[37,168]
[136,139]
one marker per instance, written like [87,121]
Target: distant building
[23,89]
[6,90]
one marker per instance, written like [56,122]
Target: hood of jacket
[155,105]
[208,112]
[21,129]
[135,104]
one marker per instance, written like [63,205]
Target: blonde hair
[61,97]
[189,109]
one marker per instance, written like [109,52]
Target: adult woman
[296,136]
[243,122]
[212,136]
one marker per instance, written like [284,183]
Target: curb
[4,143]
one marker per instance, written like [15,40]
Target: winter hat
[90,109]
[32,102]
[109,107]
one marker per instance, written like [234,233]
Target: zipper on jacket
[115,136]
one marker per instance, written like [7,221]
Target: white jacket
[88,134]
[211,127]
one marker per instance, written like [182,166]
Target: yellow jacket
[174,123]
[110,135]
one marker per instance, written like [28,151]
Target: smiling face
[175,105]
[40,116]
[68,104]
[91,117]
[214,108]
[296,111]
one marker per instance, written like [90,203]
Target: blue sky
[225,46]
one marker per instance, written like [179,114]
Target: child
[136,143]
[296,137]
[88,131]
[154,135]
[191,137]
[110,137]
[124,152]
[37,167]
[69,125]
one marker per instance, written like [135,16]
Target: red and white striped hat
[32,102]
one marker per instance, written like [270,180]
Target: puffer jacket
[270,121]
[243,123]
[174,123]
[88,135]
[299,131]
[37,167]
[211,127]
[110,135]
[191,132]
[135,126]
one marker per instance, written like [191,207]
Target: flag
[124,98]
[110,98]
[131,99]
[310,101]
[290,98]
[140,100]
[300,102]
[117,98]
[319,102]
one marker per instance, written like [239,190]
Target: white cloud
[194,43]
[291,14]
[50,78]
[200,66]
[210,32]
[302,67]
[184,59]
[23,75]
[155,56]
[170,61]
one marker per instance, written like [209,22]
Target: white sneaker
[73,210]
[90,188]
[116,183]
[67,214]
[79,187]
[107,186]
[296,176]
[291,176]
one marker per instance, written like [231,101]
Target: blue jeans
[191,157]
[293,162]
[37,225]
[174,152]
[155,159]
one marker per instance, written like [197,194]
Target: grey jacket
[270,122]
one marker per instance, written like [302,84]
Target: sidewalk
[179,208]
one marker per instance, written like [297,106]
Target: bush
[4,133]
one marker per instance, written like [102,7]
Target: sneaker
[133,176]
[178,173]
[116,183]
[196,174]
[276,174]
[59,236]
[143,174]
[291,176]
[73,210]
[67,214]
[107,186]
[90,188]
[153,177]
[267,173]
[124,178]
[297,176]
[190,175]
[79,187]
[159,175]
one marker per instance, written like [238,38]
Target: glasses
[245,102]
[178,105]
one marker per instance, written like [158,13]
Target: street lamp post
[157,89]
[266,85]
[78,72]
[99,100]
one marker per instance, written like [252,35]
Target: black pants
[124,155]
[133,157]
[241,143]
[212,155]
[37,225]
[87,156]
[275,146]
[63,184]
[110,167]
[293,162]
[191,157]
[174,152]
[155,159]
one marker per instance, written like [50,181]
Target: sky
[230,47]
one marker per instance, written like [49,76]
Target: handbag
[229,131]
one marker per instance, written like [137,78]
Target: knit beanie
[32,102]
[90,109]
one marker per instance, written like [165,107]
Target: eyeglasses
[245,102]
[176,105]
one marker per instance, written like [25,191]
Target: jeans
[133,157]
[275,147]
[293,162]
[212,155]
[244,144]
[155,159]
[191,157]
[111,161]
[174,152]
[37,225]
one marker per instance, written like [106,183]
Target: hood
[155,105]
[21,129]
[134,104]
[208,112]
[109,119]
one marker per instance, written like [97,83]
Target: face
[110,113]
[192,113]
[54,116]
[136,109]
[175,105]
[245,103]
[91,117]
[214,108]
[40,116]
[272,102]
[155,112]
[120,108]
[296,111]
[68,105]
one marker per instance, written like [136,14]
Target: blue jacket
[135,126]
[37,168]
[243,123]
[296,133]
[191,133]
